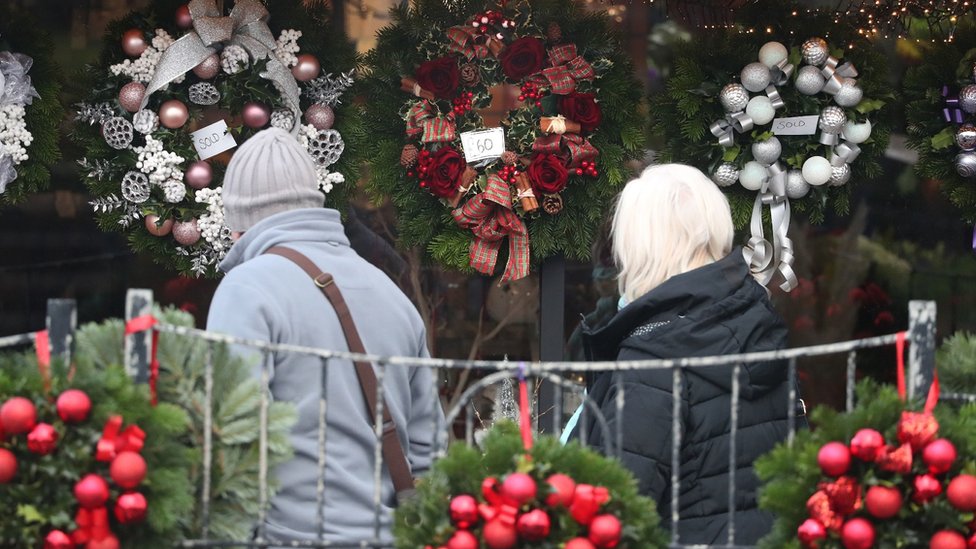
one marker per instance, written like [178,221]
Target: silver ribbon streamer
[780,72]
[246,26]
[15,85]
[829,139]
[736,122]
[766,258]
[774,97]
[845,153]
[7,171]
[833,74]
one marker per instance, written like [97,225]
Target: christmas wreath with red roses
[570,122]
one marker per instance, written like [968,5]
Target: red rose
[439,77]
[582,109]
[547,174]
[522,58]
[444,172]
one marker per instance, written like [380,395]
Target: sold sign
[482,144]
[213,140]
[796,125]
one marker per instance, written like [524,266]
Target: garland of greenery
[437,64]
[181,224]
[936,128]
[791,475]
[19,33]
[443,513]
[957,363]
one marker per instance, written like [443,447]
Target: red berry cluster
[588,169]
[423,167]
[509,173]
[532,92]
[462,103]
[486,21]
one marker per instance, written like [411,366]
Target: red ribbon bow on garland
[577,148]
[498,507]
[423,119]
[141,324]
[92,525]
[464,40]
[115,440]
[490,217]
[933,397]
[567,68]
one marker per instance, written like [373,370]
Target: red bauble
[971,542]
[73,406]
[519,487]
[42,439]
[857,533]
[939,456]
[464,511]
[866,444]
[563,488]
[499,535]
[533,526]
[962,493]
[579,543]
[8,466]
[56,539]
[127,470]
[605,531]
[91,491]
[108,542]
[834,459]
[462,539]
[947,539]
[811,532]
[131,507]
[883,502]
[927,487]
[18,416]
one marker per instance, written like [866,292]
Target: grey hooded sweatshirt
[267,297]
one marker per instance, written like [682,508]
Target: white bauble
[753,175]
[817,170]
[761,110]
[809,81]
[796,186]
[755,77]
[767,152]
[773,53]
[857,132]
[849,95]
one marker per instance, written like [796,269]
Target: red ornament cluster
[842,508]
[512,512]
[424,166]
[588,169]
[491,22]
[509,173]
[462,103]
[531,92]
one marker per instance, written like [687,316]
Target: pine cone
[408,156]
[470,75]
[510,158]
[554,33]
[552,204]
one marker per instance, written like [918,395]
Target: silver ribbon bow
[845,153]
[780,72]
[15,85]
[774,97]
[833,73]
[246,26]
[736,122]
[766,258]
[7,171]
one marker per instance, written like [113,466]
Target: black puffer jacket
[717,309]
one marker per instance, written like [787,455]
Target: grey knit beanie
[270,173]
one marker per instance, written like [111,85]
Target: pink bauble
[183,18]
[834,459]
[857,533]
[519,487]
[256,115]
[320,116]
[186,232]
[134,42]
[199,175]
[939,455]
[130,96]
[173,114]
[306,68]
[157,228]
[208,68]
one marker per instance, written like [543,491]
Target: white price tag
[213,140]
[481,144]
[796,125]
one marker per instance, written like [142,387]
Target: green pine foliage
[956,360]
[424,520]
[682,113]
[20,33]
[417,34]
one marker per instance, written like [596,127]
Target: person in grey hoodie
[271,198]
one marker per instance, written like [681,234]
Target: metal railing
[921,335]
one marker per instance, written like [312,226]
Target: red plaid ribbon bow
[115,440]
[424,120]
[567,68]
[490,217]
[464,41]
[577,148]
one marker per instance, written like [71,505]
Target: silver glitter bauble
[145,121]
[966,137]
[326,147]
[849,95]
[174,191]
[767,152]
[815,51]
[839,175]
[832,119]
[809,81]
[204,93]
[726,174]
[283,119]
[734,98]
[967,99]
[233,59]
[117,132]
[966,164]
[796,186]
[755,77]
[135,187]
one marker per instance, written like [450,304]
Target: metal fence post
[921,352]
[138,302]
[61,322]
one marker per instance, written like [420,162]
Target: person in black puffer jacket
[686,292]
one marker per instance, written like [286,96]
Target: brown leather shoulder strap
[393,453]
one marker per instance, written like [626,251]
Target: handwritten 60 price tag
[482,144]
[796,125]
[213,140]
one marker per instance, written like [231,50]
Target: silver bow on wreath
[246,26]
[15,89]
[765,258]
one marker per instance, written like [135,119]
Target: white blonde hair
[668,221]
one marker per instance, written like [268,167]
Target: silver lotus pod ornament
[204,93]
[118,132]
[135,187]
[326,147]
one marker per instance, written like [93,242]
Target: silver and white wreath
[16,93]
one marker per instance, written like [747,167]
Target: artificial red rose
[547,174]
[523,57]
[444,172]
[439,77]
[582,109]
